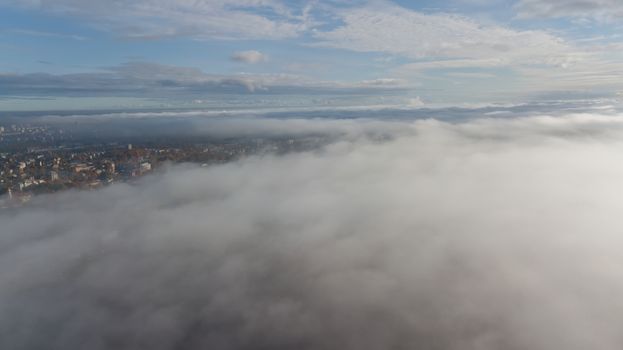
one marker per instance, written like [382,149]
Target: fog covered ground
[488,233]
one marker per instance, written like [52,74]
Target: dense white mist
[488,234]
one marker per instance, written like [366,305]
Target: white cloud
[489,234]
[384,27]
[388,82]
[416,41]
[594,74]
[251,56]
[470,75]
[209,19]
[454,63]
[415,102]
[598,9]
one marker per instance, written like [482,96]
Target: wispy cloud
[30,32]
[388,28]
[596,9]
[232,19]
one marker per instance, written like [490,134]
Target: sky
[70,54]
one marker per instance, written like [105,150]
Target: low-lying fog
[484,234]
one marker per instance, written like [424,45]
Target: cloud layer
[487,234]
[144,78]
[599,9]
[204,19]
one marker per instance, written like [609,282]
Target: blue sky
[71,54]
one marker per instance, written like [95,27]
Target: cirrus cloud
[385,27]
[598,9]
[203,19]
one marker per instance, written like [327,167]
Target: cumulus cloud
[251,56]
[487,234]
[599,9]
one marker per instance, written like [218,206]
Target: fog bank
[487,234]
